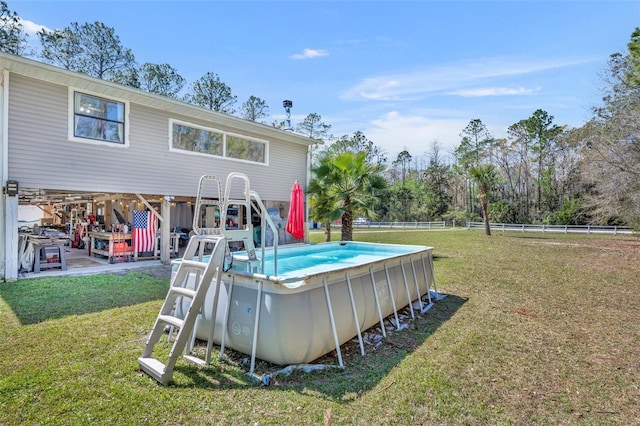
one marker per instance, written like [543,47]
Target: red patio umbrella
[295,221]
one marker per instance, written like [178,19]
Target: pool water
[305,260]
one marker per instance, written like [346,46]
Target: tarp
[295,220]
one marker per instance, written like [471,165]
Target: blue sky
[404,73]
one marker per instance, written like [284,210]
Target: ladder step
[194,359]
[183,291]
[193,264]
[154,368]
[171,320]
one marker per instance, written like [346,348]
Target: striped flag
[144,230]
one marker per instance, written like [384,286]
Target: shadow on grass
[38,300]
[360,373]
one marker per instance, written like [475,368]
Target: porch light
[12,188]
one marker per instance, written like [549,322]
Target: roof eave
[49,73]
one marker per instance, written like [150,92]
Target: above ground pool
[321,296]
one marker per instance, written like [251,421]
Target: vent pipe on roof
[287,108]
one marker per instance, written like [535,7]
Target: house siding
[42,156]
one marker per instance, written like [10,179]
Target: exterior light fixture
[12,188]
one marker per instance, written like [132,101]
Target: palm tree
[486,178]
[344,185]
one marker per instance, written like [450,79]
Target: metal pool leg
[427,283]
[214,314]
[406,287]
[226,317]
[429,272]
[255,327]
[355,314]
[393,299]
[333,322]
[375,293]
[415,280]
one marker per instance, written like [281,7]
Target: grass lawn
[536,329]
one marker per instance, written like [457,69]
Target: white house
[66,136]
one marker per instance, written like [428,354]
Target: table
[110,238]
[40,248]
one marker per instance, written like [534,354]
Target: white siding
[41,155]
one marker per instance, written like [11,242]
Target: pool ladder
[205,274]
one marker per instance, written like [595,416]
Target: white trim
[248,138]
[8,205]
[45,72]
[71,118]
[224,134]
[4,126]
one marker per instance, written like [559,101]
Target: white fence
[566,229]
[400,225]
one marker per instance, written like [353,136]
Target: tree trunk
[347,227]
[485,214]
[327,232]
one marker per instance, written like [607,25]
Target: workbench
[109,238]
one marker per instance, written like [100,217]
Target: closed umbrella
[295,221]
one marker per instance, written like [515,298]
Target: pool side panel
[294,325]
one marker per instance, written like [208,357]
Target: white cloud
[492,91]
[416,84]
[394,132]
[31,28]
[310,54]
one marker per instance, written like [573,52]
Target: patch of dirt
[523,312]
[162,271]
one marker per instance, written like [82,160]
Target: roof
[45,72]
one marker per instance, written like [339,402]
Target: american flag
[144,230]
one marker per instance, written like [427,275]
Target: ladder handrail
[266,218]
[201,200]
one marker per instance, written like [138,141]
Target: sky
[405,73]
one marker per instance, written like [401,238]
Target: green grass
[536,329]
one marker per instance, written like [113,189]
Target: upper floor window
[192,138]
[197,140]
[98,119]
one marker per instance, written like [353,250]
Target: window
[245,149]
[192,138]
[98,118]
[197,140]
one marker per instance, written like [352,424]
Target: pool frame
[296,319]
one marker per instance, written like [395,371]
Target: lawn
[536,329]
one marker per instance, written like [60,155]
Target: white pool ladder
[209,196]
[205,274]
[244,231]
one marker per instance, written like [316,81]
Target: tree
[476,139]
[634,57]
[61,48]
[127,77]
[344,185]
[254,109]
[93,49]
[543,134]
[210,92]
[358,142]
[12,36]
[161,79]
[403,160]
[436,185]
[486,178]
[313,127]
